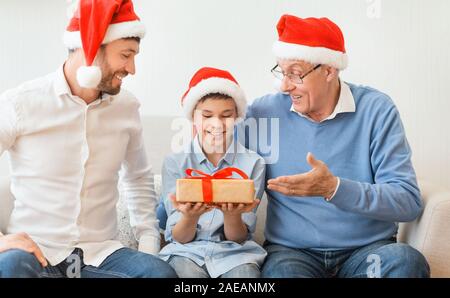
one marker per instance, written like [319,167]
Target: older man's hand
[319,182]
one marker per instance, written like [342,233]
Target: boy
[212,241]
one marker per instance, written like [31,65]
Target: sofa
[429,233]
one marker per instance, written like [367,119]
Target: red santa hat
[98,22]
[317,41]
[209,80]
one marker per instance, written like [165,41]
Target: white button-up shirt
[65,158]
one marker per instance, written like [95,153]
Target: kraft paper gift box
[215,189]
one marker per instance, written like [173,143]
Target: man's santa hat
[209,80]
[317,41]
[98,22]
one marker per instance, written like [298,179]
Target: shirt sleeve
[395,195]
[259,177]
[170,174]
[8,124]
[138,188]
[335,190]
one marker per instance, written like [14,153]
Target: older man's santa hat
[314,40]
[95,23]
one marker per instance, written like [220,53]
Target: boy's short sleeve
[170,175]
[259,177]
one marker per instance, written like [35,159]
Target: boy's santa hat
[98,22]
[317,41]
[209,80]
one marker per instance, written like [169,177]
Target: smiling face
[214,119]
[312,98]
[116,61]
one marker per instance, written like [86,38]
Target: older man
[68,134]
[334,216]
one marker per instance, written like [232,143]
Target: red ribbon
[207,180]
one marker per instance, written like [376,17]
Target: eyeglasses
[294,78]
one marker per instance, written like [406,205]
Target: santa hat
[211,80]
[317,41]
[98,22]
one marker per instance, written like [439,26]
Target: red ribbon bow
[207,180]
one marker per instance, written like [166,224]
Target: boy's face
[214,121]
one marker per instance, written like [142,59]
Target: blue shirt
[210,247]
[367,149]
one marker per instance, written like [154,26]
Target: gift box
[215,189]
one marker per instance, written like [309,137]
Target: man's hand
[231,209]
[23,242]
[319,182]
[190,210]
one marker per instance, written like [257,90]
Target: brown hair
[214,96]
[218,96]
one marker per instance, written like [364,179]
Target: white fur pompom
[89,76]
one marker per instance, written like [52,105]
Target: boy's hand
[190,210]
[230,209]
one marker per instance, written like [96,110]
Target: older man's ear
[332,73]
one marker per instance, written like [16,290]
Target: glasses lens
[278,73]
[296,79]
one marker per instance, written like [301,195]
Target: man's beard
[108,75]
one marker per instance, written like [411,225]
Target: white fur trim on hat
[314,55]
[72,40]
[215,85]
[89,76]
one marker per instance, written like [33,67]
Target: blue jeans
[384,259]
[124,263]
[186,268]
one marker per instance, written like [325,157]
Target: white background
[398,46]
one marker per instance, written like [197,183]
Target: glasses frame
[294,78]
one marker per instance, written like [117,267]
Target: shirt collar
[60,83]
[61,86]
[229,156]
[346,103]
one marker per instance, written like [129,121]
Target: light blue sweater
[367,149]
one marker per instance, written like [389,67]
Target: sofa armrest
[429,233]
[6,203]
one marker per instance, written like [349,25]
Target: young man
[207,241]
[68,135]
[337,216]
